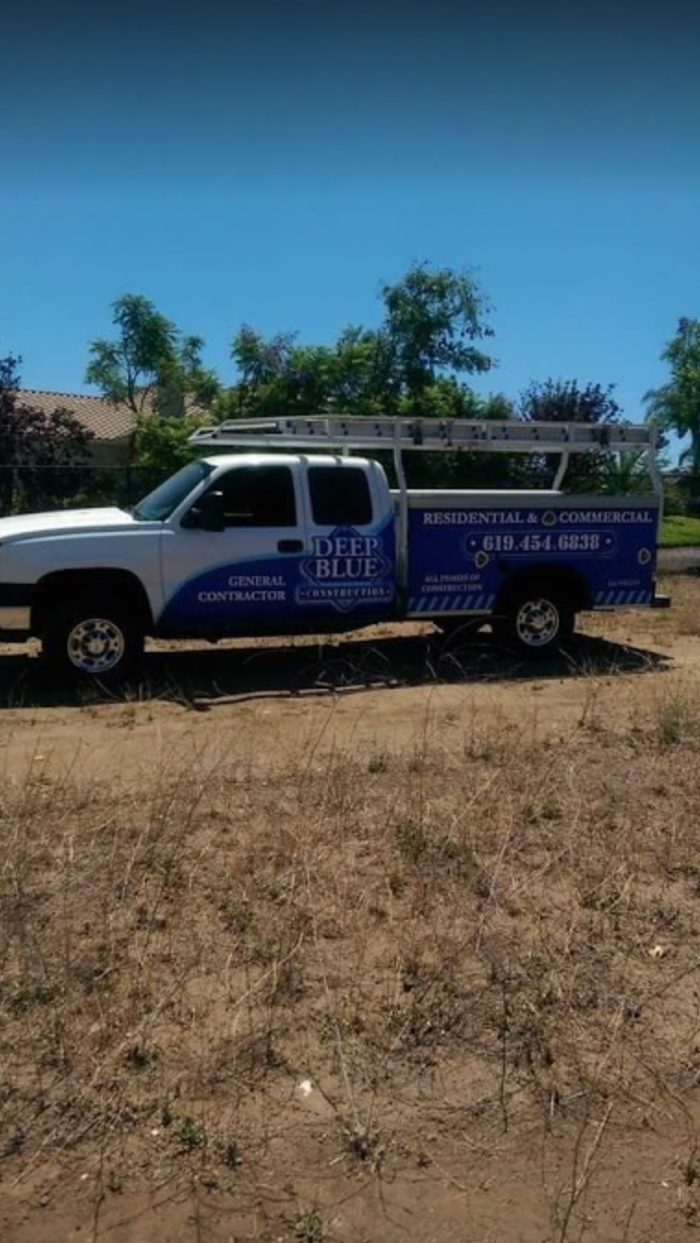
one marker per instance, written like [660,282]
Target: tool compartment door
[464,550]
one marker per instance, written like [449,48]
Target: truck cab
[276,544]
[230,545]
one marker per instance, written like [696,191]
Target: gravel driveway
[676,560]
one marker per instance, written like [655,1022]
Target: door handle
[290,545]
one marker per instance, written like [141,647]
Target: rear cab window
[340,496]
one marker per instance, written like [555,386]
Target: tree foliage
[151,365]
[162,447]
[280,376]
[418,362]
[624,473]
[675,406]
[567,401]
[432,321]
[413,363]
[40,454]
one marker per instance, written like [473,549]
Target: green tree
[150,366]
[625,473]
[280,376]
[446,398]
[675,406]
[162,447]
[412,364]
[566,401]
[277,377]
[432,321]
[41,455]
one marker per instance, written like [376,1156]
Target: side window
[340,496]
[258,496]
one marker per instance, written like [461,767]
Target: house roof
[107,420]
[103,418]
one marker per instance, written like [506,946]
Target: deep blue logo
[346,569]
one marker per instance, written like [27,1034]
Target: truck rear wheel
[92,640]
[537,623]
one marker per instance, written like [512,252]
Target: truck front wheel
[537,623]
[90,640]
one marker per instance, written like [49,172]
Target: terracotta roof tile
[102,417]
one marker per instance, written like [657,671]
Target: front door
[240,580]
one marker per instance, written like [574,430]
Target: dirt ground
[376,939]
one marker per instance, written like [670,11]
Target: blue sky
[275,168]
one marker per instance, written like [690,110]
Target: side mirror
[208,513]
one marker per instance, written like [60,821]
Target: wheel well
[566,584]
[104,584]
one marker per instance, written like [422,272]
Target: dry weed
[362,951]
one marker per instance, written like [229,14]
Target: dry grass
[437,979]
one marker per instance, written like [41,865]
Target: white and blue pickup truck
[281,543]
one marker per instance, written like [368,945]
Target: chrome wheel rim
[95,645]
[537,623]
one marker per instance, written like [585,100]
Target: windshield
[161,503]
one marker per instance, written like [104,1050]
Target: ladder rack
[321,432]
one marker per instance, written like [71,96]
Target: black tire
[92,640]
[536,623]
